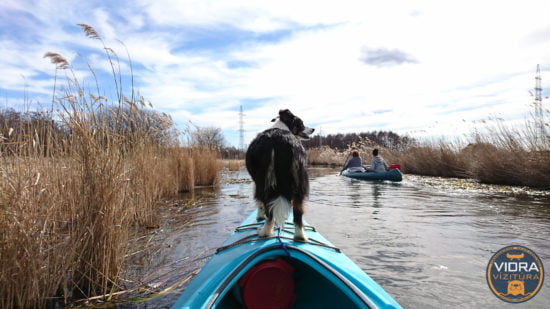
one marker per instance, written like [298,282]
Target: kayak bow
[280,272]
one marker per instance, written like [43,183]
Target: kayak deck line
[255,237]
[259,224]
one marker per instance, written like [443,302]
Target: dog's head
[288,121]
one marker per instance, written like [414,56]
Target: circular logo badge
[515,274]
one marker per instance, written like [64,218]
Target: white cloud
[449,63]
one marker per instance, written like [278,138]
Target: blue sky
[423,68]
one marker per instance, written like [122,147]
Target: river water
[427,241]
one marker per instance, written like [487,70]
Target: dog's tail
[280,208]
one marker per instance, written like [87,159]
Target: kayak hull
[392,175]
[323,276]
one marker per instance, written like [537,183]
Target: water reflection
[376,192]
[425,241]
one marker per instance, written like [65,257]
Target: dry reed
[69,194]
[325,156]
[232,164]
[503,155]
[206,166]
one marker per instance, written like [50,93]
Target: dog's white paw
[265,231]
[299,234]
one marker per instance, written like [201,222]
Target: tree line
[387,139]
[212,138]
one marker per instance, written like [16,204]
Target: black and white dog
[276,161]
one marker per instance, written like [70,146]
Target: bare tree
[209,137]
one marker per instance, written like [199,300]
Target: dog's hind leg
[267,229]
[298,211]
[261,211]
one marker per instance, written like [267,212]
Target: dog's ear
[286,116]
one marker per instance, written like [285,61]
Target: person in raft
[377,163]
[355,164]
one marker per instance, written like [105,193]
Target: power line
[538,92]
[241,129]
[539,112]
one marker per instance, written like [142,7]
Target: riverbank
[76,179]
[66,219]
[487,162]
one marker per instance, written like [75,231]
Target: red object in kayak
[268,285]
[395,166]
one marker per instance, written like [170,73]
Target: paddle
[349,154]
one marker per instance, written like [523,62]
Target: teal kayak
[393,175]
[280,272]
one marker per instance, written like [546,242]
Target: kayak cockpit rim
[276,251]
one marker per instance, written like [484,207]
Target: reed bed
[206,166]
[502,155]
[434,159]
[72,188]
[326,156]
[232,164]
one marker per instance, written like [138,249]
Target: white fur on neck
[280,125]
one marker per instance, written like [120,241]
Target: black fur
[289,177]
[288,151]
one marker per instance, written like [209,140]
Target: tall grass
[206,166]
[69,194]
[326,156]
[515,156]
[434,159]
[501,155]
[232,164]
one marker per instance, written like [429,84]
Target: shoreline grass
[503,155]
[232,164]
[73,183]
